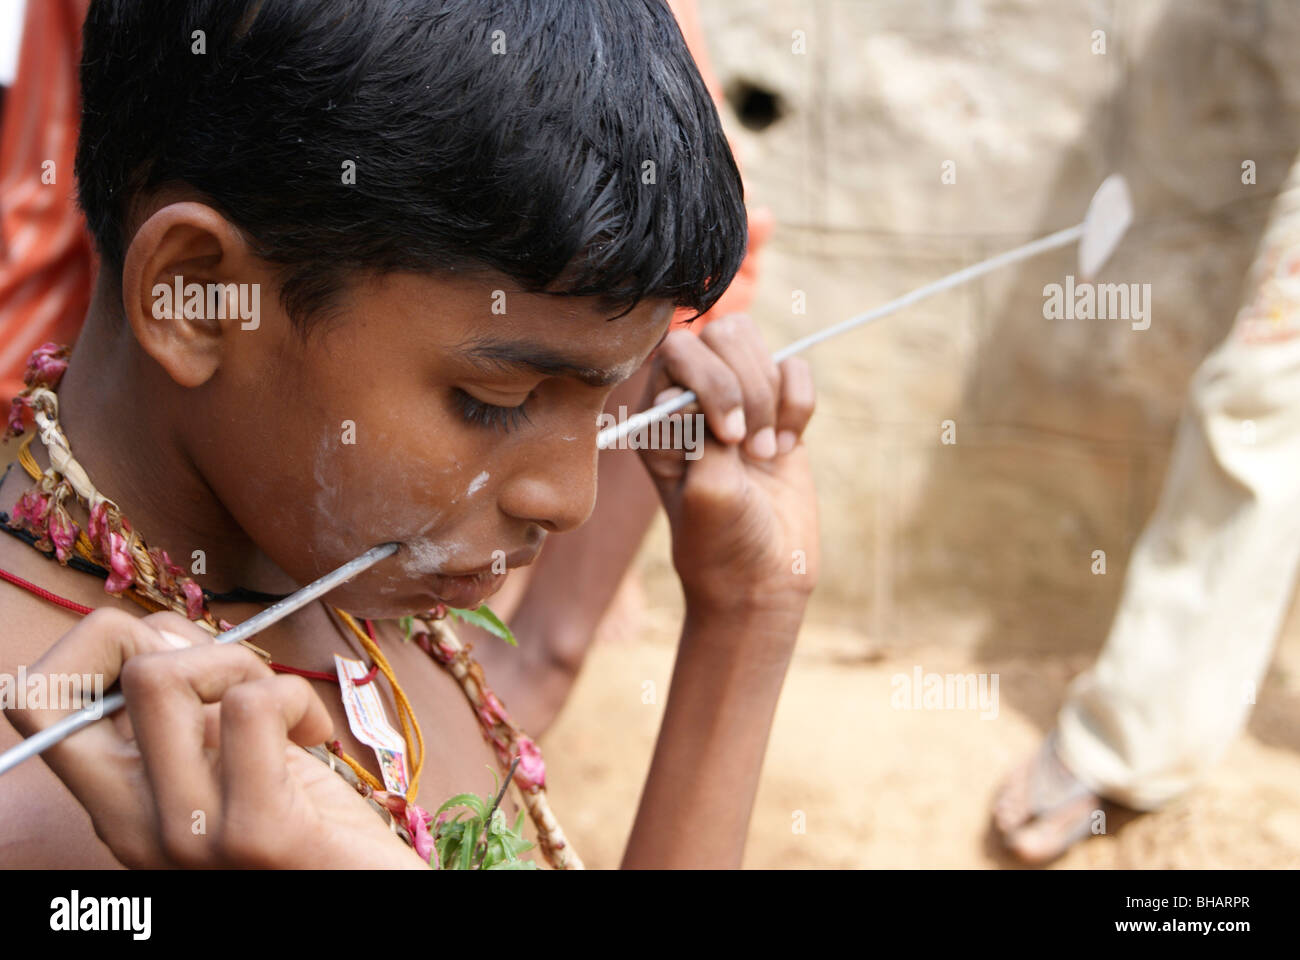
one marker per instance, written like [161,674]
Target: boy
[451,238]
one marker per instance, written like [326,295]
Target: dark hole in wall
[757,107]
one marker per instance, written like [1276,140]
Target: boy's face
[384,423]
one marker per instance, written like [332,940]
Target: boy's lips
[468,589]
[465,593]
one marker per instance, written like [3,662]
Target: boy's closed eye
[503,407]
[490,416]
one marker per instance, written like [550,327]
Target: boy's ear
[194,242]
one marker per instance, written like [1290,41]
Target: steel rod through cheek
[114,701]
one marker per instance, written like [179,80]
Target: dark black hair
[533,161]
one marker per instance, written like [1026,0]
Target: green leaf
[468,845]
[470,800]
[485,619]
[480,842]
[448,844]
[505,851]
[407,624]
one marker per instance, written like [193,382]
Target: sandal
[1059,812]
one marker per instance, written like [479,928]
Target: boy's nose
[557,491]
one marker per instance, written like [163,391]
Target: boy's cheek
[319,487]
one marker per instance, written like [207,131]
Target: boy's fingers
[177,631]
[166,694]
[798,400]
[761,381]
[98,646]
[257,721]
[179,634]
[667,462]
[97,762]
[211,725]
[688,362]
[736,341]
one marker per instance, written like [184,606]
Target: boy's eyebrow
[511,354]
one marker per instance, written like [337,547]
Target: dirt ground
[880,787]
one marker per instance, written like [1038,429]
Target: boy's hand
[744,514]
[201,769]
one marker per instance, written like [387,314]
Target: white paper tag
[370,724]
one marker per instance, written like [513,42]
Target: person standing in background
[1207,587]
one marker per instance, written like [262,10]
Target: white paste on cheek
[423,556]
[476,484]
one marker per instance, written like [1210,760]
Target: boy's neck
[124,432]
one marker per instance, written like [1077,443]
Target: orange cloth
[741,292]
[46,265]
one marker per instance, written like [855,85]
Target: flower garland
[108,537]
[148,576]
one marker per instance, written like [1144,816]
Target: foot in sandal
[1042,809]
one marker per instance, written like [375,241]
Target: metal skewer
[1109,215]
[114,701]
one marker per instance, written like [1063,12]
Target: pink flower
[434,647]
[32,508]
[193,598]
[395,803]
[121,572]
[492,711]
[46,364]
[98,525]
[417,825]
[532,770]
[163,565]
[16,408]
[63,533]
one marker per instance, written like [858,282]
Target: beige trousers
[1210,579]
